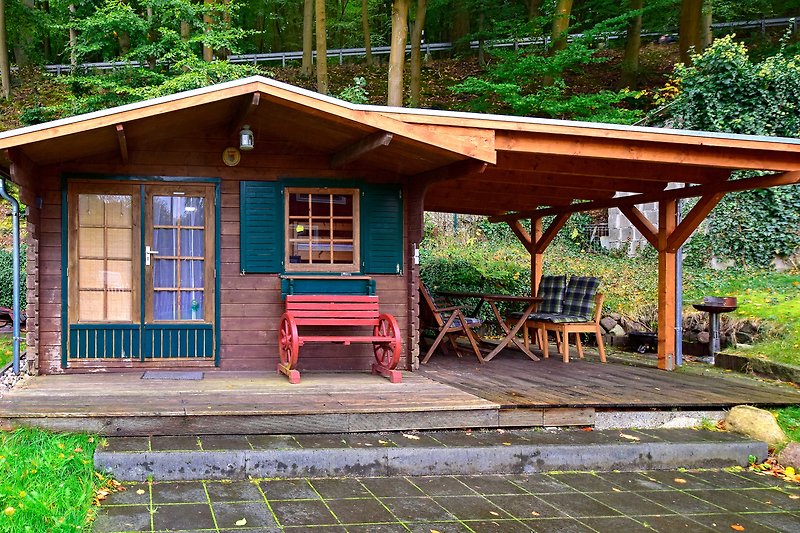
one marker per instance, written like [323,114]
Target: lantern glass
[246,138]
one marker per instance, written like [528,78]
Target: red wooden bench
[338,310]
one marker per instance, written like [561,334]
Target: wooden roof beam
[453,171]
[123,143]
[625,168]
[564,181]
[761,182]
[519,192]
[360,148]
[245,112]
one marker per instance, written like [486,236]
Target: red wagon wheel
[387,353]
[288,343]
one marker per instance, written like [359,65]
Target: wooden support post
[667,266]
[415,218]
[537,256]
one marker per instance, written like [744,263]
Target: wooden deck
[447,393]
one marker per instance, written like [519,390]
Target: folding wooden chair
[449,321]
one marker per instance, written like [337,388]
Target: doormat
[177,376]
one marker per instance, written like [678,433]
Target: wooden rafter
[641,223]
[123,143]
[762,182]
[244,114]
[360,148]
[521,193]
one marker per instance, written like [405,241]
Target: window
[322,230]
[104,254]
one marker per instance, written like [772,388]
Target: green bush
[6,278]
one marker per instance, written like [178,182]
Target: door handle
[147,253]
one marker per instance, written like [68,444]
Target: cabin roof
[483,164]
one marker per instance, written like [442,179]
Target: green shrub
[6,278]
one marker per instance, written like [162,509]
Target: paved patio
[668,501]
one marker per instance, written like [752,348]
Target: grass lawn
[7,349]
[789,420]
[47,481]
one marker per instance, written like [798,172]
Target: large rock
[608,323]
[790,456]
[755,423]
[617,331]
[703,337]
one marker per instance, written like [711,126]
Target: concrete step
[419,454]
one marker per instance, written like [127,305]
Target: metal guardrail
[341,53]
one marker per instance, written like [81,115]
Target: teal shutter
[381,229]
[261,234]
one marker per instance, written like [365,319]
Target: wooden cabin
[155,241]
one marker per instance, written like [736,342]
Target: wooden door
[178,258]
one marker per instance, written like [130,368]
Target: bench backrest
[333,309]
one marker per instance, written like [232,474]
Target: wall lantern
[247,140]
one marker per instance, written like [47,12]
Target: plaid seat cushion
[562,319]
[471,322]
[551,291]
[579,295]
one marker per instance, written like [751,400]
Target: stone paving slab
[419,454]
[667,501]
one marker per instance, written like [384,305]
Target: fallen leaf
[789,472]
[534,513]
[241,522]
[680,480]
[615,489]
[140,491]
[435,531]
[506,444]
[737,527]
[383,442]
[494,513]
[794,497]
[412,437]
[629,437]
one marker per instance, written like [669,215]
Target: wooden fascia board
[111,119]
[566,128]
[641,223]
[360,148]
[761,182]
[761,157]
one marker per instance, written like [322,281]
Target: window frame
[353,267]
[73,270]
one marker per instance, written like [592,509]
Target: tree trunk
[416,51]
[152,36]
[365,30]
[46,45]
[630,62]
[706,35]
[460,32]
[561,25]
[73,37]
[322,48]
[689,32]
[308,38]
[208,53]
[481,40]
[224,52]
[397,54]
[534,8]
[25,43]
[5,67]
